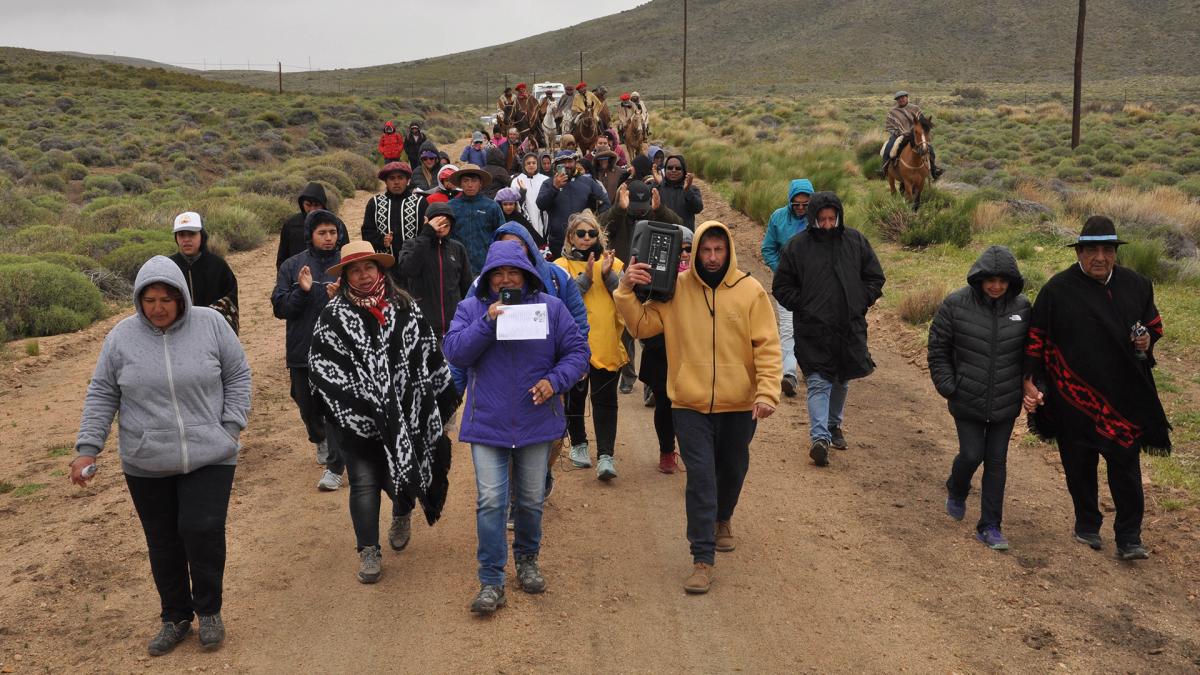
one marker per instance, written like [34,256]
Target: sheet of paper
[523,322]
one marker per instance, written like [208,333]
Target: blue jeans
[492,465]
[826,403]
[787,338]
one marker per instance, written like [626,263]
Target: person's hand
[1142,342]
[591,264]
[77,466]
[1033,397]
[606,262]
[495,310]
[305,279]
[560,179]
[440,225]
[636,274]
[387,241]
[655,200]
[542,391]
[761,411]
[687,180]
[623,197]
[332,289]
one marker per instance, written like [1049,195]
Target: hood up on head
[160,269]
[654,150]
[315,192]
[797,187]
[323,216]
[510,254]
[730,276]
[682,174]
[530,247]
[824,200]
[996,261]
[641,167]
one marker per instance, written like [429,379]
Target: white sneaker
[579,456]
[605,468]
[329,482]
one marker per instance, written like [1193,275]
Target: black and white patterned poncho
[388,382]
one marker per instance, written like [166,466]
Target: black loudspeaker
[659,245]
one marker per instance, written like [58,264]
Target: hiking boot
[488,600]
[168,636]
[1092,540]
[992,538]
[666,463]
[648,397]
[370,568]
[956,508]
[212,631]
[700,580]
[400,532]
[1132,552]
[627,380]
[819,453]
[529,577]
[329,482]
[789,385]
[836,438]
[580,457]
[725,540]
[605,469]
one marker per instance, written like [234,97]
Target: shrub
[75,171]
[133,183]
[114,217]
[972,94]
[919,306]
[151,171]
[271,211]
[890,214]
[331,176]
[238,225]
[42,238]
[42,299]
[53,181]
[941,220]
[99,185]
[271,117]
[1145,257]
[127,259]
[68,260]
[1023,250]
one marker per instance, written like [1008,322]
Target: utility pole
[443,92]
[581,66]
[1078,75]
[685,54]
[280,63]
[506,80]
[310,64]
[485,90]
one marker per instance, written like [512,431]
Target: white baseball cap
[188,221]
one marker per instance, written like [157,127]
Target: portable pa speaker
[659,245]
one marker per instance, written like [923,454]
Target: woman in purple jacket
[513,411]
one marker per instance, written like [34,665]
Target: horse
[587,130]
[911,167]
[634,136]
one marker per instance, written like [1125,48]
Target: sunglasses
[590,234]
[802,205]
[687,248]
[674,168]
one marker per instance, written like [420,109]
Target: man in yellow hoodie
[723,375]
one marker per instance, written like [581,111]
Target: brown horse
[633,135]
[911,167]
[587,130]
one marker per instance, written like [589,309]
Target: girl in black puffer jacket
[976,345]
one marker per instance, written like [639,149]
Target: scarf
[389,383]
[372,299]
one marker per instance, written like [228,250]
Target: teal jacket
[784,225]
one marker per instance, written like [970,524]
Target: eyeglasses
[676,168]
[590,234]
[429,159]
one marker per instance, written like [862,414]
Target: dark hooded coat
[291,235]
[298,307]
[211,282]
[686,202]
[437,273]
[413,144]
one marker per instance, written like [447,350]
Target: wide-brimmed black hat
[1098,230]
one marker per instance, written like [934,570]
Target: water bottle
[89,471]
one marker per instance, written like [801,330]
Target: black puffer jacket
[828,279]
[976,344]
[437,272]
[291,235]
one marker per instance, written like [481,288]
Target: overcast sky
[334,33]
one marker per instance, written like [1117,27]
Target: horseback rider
[505,101]
[640,108]
[900,121]
[585,101]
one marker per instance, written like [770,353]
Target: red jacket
[391,146]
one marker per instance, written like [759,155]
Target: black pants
[1080,461]
[367,469]
[604,409]
[184,521]
[627,341]
[983,443]
[664,422]
[716,452]
[314,419]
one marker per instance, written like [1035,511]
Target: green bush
[271,117]
[942,219]
[114,217]
[271,211]
[100,185]
[1110,169]
[238,225]
[127,259]
[53,181]
[889,214]
[43,238]
[151,171]
[70,261]
[39,298]
[18,209]
[331,176]
[1145,257]
[75,171]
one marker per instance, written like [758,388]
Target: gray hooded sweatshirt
[183,395]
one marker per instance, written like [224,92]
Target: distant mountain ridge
[131,61]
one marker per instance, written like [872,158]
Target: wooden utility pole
[443,92]
[485,90]
[1078,75]
[280,64]
[581,66]
[685,54]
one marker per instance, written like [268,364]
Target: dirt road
[851,568]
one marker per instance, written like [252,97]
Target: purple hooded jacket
[499,409]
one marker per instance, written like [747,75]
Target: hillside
[748,46]
[28,66]
[131,61]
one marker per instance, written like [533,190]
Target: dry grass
[988,216]
[1031,191]
[1051,111]
[1160,206]
[826,111]
[1140,111]
[1016,113]
[875,136]
[919,306]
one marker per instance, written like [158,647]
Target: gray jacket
[183,395]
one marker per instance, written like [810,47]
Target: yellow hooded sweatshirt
[604,325]
[723,351]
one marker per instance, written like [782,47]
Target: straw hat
[360,250]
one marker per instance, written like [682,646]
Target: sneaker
[323,452]
[168,636]
[212,631]
[1092,540]
[666,463]
[648,397]
[790,384]
[626,384]
[700,580]
[725,540]
[370,568]
[991,536]
[605,469]
[329,482]
[400,532]
[529,577]
[1132,552]
[580,457]
[819,453]
[488,600]
[956,508]
[836,438]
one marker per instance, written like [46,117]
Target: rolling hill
[744,46]
[131,61]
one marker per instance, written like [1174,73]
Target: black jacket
[419,181]
[406,213]
[437,273]
[211,282]
[977,345]
[686,203]
[828,279]
[291,235]
[619,225]
[299,308]
[412,148]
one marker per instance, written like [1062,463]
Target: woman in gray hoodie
[178,378]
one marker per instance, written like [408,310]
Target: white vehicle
[488,121]
[556,88]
